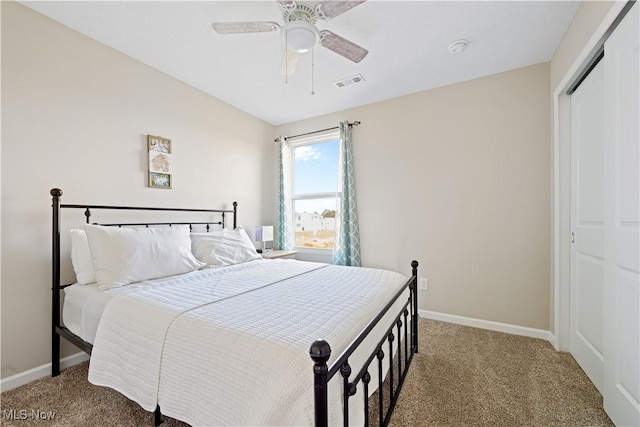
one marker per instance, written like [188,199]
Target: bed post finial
[414,317]
[320,352]
[235,215]
[56,192]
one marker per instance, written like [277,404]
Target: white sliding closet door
[622,218]
[587,224]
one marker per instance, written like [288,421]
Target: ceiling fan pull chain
[286,56]
[312,89]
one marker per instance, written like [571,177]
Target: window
[315,191]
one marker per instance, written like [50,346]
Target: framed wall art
[160,162]
[159,180]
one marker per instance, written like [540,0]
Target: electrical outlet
[423,284]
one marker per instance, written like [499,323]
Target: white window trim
[300,142]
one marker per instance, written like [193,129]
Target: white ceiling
[407,43]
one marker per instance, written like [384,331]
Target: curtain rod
[355,123]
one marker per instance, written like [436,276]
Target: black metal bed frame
[320,351]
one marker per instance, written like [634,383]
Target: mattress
[82,309]
[83,305]
[230,347]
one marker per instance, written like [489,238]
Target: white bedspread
[230,346]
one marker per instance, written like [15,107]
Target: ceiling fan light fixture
[300,36]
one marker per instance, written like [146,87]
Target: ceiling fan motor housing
[301,12]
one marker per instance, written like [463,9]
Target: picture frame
[159,180]
[159,144]
[160,162]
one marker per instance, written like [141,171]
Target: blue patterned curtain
[285,239]
[346,249]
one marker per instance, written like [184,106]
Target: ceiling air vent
[349,81]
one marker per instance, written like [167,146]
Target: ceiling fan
[299,32]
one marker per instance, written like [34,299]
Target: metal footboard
[406,328]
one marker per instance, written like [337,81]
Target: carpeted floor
[461,377]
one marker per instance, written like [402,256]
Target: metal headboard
[57,328]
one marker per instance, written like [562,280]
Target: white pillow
[223,247]
[81,258]
[128,255]
[203,246]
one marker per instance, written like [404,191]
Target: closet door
[587,224]
[622,218]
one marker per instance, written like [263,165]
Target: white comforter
[231,346]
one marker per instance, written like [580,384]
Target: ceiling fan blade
[331,8]
[289,62]
[244,27]
[342,46]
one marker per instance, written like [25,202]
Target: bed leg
[55,354]
[320,353]
[414,318]
[157,416]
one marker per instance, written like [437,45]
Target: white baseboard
[554,341]
[490,325]
[42,371]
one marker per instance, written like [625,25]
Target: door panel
[589,301]
[622,224]
[587,217]
[629,374]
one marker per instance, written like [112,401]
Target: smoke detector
[457,46]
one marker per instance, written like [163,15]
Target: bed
[258,342]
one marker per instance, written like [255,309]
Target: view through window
[315,186]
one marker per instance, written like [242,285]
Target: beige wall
[458,178]
[75,115]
